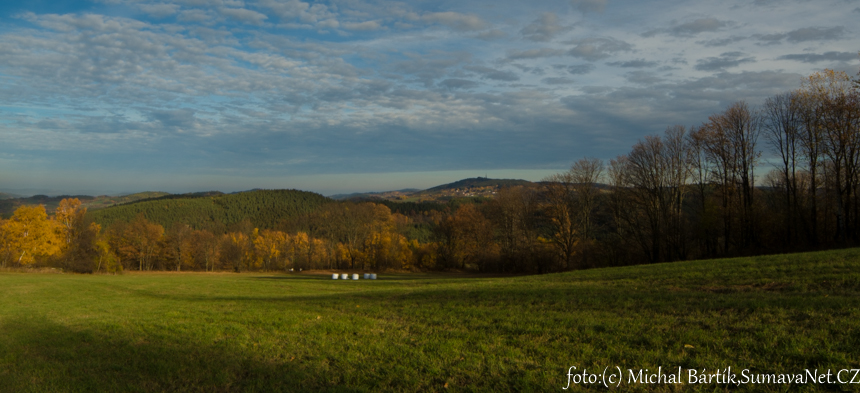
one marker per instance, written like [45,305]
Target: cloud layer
[279,89]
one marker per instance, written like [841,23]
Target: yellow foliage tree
[30,234]
[269,247]
[69,213]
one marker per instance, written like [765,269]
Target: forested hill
[8,205]
[477,182]
[265,209]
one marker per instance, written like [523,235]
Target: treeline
[334,236]
[689,193]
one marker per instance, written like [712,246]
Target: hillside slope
[265,208]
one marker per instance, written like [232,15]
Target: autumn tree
[270,247]
[138,240]
[465,239]
[68,213]
[84,253]
[107,259]
[177,245]
[350,224]
[233,246]
[29,234]
[515,213]
[205,249]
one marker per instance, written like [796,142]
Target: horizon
[431,178]
[107,96]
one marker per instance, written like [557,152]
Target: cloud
[289,11]
[643,78]
[802,35]
[580,69]
[458,84]
[586,6]
[533,53]
[196,16]
[456,20]
[725,60]
[593,49]
[640,63]
[493,34]
[722,41]
[816,34]
[175,119]
[544,28]
[691,28]
[185,79]
[494,74]
[558,81]
[160,10]
[244,15]
[815,58]
[697,26]
[427,68]
[362,26]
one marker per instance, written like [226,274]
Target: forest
[782,177]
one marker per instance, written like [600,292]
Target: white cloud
[182,79]
[593,49]
[456,20]
[544,28]
[244,15]
[363,26]
[698,26]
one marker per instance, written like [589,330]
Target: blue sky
[112,96]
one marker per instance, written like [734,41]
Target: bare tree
[782,125]
[731,139]
[836,112]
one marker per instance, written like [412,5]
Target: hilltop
[468,188]
[478,183]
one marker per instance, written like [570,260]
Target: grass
[270,332]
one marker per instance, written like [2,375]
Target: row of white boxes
[345,276]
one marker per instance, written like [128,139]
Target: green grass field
[270,332]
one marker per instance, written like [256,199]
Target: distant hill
[5,195]
[214,210]
[479,182]
[8,205]
[103,201]
[476,187]
[374,195]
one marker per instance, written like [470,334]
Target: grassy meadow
[441,332]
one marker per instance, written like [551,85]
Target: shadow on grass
[38,355]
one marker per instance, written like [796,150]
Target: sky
[120,96]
